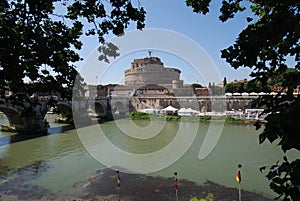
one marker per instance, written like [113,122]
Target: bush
[205,118]
[209,197]
[234,119]
[139,115]
[168,117]
[142,115]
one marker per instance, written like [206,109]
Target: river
[58,161]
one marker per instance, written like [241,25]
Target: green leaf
[263,168]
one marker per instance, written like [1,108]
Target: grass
[142,115]
[209,197]
[139,115]
[146,116]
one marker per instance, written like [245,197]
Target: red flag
[238,177]
[176,184]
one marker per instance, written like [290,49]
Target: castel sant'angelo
[149,76]
[151,71]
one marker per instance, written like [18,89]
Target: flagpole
[118,184]
[239,179]
[240,193]
[176,185]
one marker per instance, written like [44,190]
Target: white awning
[170,108]
[236,94]
[261,93]
[253,94]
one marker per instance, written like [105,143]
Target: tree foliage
[224,82]
[266,45]
[39,39]
[196,85]
[253,85]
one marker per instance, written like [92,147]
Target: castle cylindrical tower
[150,70]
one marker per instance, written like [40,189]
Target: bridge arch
[14,118]
[118,106]
[100,109]
[19,121]
[64,110]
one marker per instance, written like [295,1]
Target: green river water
[66,161]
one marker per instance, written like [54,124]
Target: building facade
[149,77]
[151,71]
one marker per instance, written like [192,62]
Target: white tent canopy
[262,93]
[150,111]
[236,94]
[170,109]
[188,112]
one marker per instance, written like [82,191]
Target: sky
[206,31]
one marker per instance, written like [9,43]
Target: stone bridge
[114,107]
[81,109]
[21,119]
